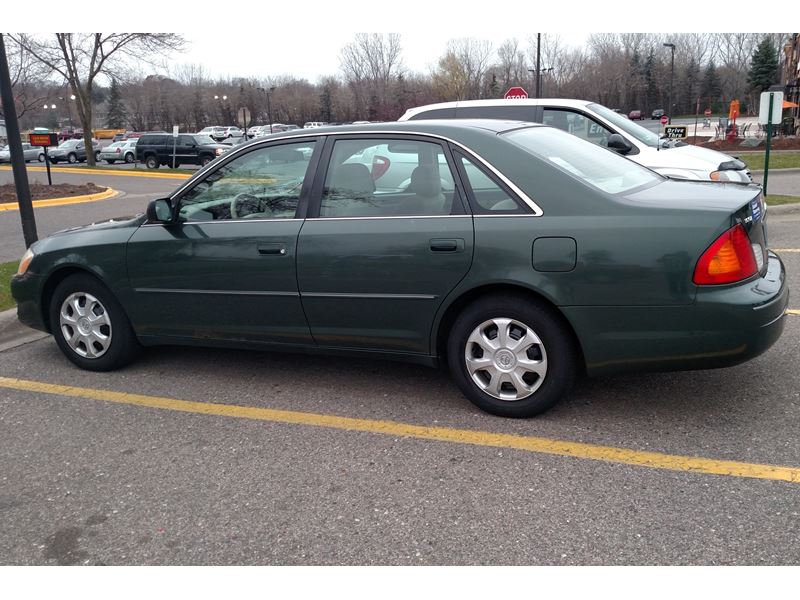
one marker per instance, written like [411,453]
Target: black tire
[41,157]
[122,347]
[111,162]
[97,157]
[556,350]
[129,158]
[151,162]
[72,158]
[204,160]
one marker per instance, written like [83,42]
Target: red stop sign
[515,93]
[664,119]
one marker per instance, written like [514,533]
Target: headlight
[735,176]
[25,262]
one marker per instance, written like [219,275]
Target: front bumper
[27,292]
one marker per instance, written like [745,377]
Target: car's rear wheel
[90,326]
[151,162]
[97,156]
[72,158]
[512,356]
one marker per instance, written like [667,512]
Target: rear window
[599,167]
[513,112]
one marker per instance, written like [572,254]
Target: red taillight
[727,260]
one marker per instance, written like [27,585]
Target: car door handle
[272,249]
[447,245]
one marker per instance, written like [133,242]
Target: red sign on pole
[664,119]
[515,93]
[43,139]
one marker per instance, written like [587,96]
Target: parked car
[70,133]
[546,257]
[602,126]
[124,151]
[230,132]
[73,151]
[157,149]
[657,114]
[214,132]
[636,115]
[251,133]
[29,152]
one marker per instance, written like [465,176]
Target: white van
[602,126]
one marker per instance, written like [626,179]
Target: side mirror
[619,144]
[159,211]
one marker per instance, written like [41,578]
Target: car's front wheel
[129,158]
[41,157]
[512,356]
[72,158]
[90,326]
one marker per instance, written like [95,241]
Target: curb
[109,193]
[109,172]
[13,333]
[784,209]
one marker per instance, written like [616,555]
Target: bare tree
[371,64]
[26,76]
[81,57]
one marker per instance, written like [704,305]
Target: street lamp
[222,100]
[538,81]
[671,75]
[269,106]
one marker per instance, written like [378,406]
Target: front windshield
[599,167]
[203,139]
[634,129]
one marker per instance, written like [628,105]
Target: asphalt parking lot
[194,456]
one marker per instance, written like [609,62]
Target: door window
[385,178]
[577,124]
[262,184]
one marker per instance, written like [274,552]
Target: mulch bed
[779,143]
[8,193]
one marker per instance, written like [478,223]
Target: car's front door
[389,239]
[226,268]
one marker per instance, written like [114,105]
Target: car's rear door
[376,261]
[226,269]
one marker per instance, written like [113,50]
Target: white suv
[602,126]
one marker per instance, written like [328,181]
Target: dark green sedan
[518,254]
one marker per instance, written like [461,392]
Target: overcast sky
[304,38]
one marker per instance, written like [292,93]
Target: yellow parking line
[62,201]
[110,172]
[653,460]
[790,311]
[785,249]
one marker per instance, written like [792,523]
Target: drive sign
[516,93]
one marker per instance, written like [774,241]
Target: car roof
[431,126]
[569,102]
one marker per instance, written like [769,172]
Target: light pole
[671,75]
[222,100]
[538,81]
[268,92]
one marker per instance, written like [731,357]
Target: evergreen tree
[689,86]
[711,89]
[651,88]
[116,109]
[764,66]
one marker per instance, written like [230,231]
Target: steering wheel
[253,201]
